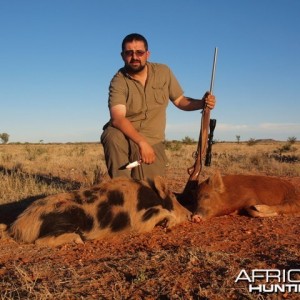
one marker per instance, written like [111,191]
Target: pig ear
[217,182]
[160,186]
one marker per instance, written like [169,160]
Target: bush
[252,142]
[4,137]
[173,145]
[188,141]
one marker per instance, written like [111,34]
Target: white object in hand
[133,164]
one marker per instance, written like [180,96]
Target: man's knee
[113,136]
[116,149]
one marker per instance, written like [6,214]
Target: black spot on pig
[73,219]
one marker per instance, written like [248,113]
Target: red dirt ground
[191,261]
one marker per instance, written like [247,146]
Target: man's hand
[146,152]
[209,100]
[119,120]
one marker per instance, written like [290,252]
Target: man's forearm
[189,104]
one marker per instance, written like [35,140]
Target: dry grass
[28,170]
[31,170]
[196,270]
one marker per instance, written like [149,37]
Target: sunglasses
[138,53]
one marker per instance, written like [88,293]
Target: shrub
[187,140]
[252,142]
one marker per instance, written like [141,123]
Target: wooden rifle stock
[202,149]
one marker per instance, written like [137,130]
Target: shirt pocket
[160,93]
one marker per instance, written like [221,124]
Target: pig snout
[196,218]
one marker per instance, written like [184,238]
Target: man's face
[135,56]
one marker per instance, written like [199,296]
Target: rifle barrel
[213,71]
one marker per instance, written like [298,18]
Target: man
[138,97]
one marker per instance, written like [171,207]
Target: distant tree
[238,138]
[4,137]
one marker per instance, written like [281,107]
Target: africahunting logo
[271,280]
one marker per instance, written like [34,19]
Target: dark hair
[134,37]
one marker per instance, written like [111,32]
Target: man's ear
[148,54]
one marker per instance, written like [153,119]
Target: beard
[134,67]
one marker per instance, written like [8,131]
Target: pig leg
[261,210]
[291,208]
[54,241]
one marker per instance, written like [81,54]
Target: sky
[57,58]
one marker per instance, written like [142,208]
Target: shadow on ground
[10,211]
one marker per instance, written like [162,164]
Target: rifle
[205,140]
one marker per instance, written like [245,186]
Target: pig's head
[209,195]
[170,201]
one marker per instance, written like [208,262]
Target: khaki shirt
[146,106]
